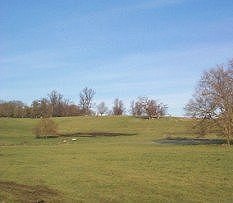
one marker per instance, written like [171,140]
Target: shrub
[46,128]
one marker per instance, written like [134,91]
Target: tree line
[55,105]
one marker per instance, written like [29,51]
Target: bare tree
[56,100]
[212,103]
[102,108]
[85,102]
[148,107]
[41,108]
[118,108]
[138,107]
[46,127]
[154,109]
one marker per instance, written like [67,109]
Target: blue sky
[124,49]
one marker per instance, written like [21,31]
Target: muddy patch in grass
[190,141]
[95,134]
[87,134]
[26,193]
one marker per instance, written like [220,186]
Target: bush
[46,128]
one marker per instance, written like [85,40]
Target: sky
[120,48]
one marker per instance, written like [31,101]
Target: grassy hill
[131,167]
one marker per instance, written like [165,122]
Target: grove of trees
[54,105]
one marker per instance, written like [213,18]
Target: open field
[131,167]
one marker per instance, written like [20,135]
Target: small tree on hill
[102,108]
[85,100]
[46,127]
[57,103]
[144,106]
[118,108]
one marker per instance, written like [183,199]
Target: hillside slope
[128,168]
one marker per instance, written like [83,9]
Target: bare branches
[85,102]
[57,103]
[102,108]
[118,108]
[213,99]
[148,107]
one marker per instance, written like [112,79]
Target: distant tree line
[55,105]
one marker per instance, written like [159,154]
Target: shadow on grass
[88,134]
[191,141]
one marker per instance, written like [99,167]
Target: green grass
[115,169]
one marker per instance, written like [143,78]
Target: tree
[56,100]
[138,108]
[102,108]
[46,127]
[212,102]
[154,109]
[118,108]
[41,108]
[148,107]
[86,98]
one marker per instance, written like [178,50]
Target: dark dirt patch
[96,134]
[26,193]
[88,134]
[48,136]
[190,141]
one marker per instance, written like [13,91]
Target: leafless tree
[85,102]
[212,102]
[102,108]
[46,127]
[41,108]
[148,107]
[154,109]
[138,107]
[56,100]
[118,108]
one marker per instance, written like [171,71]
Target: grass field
[127,168]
